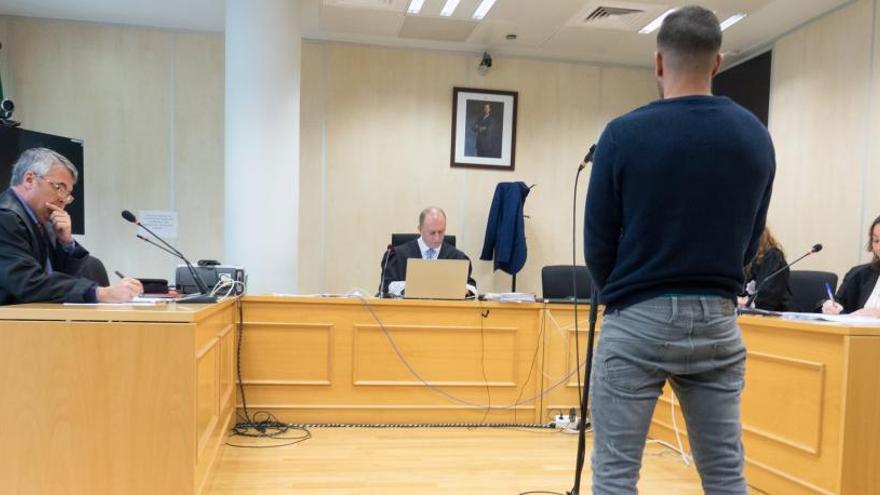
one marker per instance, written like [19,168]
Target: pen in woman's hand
[119,274]
[829,291]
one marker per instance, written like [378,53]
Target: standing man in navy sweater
[676,204]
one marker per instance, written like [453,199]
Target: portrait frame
[483,128]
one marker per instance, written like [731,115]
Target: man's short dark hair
[689,32]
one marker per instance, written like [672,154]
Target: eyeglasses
[60,189]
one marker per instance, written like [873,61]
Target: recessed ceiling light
[415,6]
[483,9]
[730,21]
[449,8]
[655,24]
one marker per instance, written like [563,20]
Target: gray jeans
[695,343]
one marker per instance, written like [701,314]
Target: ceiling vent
[617,16]
[603,12]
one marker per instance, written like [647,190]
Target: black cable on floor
[262,424]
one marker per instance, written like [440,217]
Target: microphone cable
[250,425]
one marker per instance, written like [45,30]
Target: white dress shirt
[874,299]
[424,249]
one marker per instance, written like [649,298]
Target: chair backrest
[92,269]
[556,282]
[808,288]
[402,238]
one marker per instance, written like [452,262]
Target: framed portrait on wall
[483,128]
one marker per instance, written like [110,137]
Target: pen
[120,275]
[830,293]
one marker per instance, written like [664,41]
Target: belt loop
[705,304]
[674,315]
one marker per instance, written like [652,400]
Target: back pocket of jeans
[634,375]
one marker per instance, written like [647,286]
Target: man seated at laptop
[429,245]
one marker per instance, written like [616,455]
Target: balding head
[432,226]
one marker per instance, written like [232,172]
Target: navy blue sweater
[677,200]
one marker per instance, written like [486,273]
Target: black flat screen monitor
[14,140]
[748,84]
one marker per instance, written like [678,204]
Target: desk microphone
[163,248]
[753,294]
[204,294]
[389,252]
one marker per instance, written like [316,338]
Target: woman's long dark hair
[876,261]
[765,244]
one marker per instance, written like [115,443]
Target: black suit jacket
[396,265]
[857,286]
[23,252]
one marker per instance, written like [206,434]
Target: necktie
[429,254]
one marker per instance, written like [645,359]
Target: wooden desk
[137,400]
[810,409]
[113,400]
[328,360]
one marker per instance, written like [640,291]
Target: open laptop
[436,279]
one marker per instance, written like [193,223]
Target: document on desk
[847,319]
[138,301]
[510,297]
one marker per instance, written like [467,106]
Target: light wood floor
[347,461]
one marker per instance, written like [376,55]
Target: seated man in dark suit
[38,255]
[429,245]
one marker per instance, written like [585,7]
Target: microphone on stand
[204,295]
[389,252]
[588,158]
[753,293]
[591,333]
[163,248]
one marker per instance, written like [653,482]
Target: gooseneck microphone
[163,248]
[754,294]
[587,159]
[591,334]
[204,294]
[386,258]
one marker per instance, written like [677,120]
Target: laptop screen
[436,279]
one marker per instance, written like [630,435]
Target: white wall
[824,120]
[375,138]
[149,106]
[376,132]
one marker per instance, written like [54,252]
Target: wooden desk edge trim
[102,314]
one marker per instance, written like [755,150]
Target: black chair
[556,282]
[92,269]
[401,238]
[808,289]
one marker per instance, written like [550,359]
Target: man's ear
[718,59]
[658,64]
[29,179]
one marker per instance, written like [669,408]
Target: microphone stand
[163,248]
[585,397]
[588,365]
[389,252]
[204,296]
